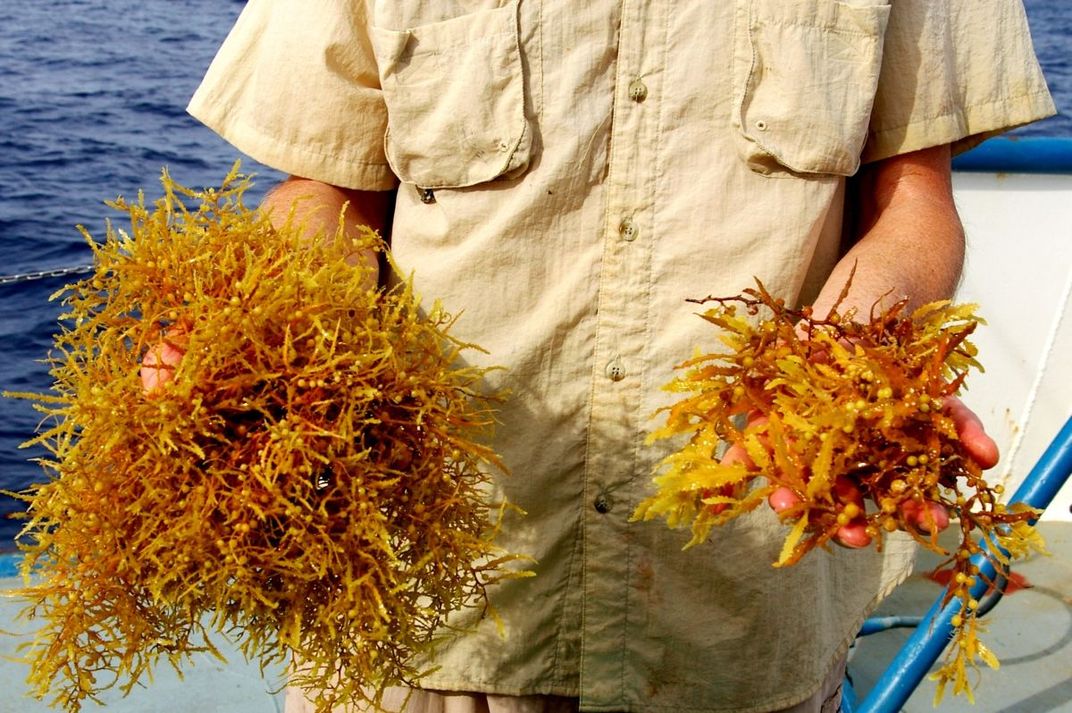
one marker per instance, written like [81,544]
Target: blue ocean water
[92,97]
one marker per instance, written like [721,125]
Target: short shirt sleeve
[954,72]
[295,86]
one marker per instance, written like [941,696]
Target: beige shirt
[585,167]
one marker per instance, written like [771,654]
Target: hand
[159,363]
[979,446]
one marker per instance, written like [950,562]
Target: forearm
[318,208]
[911,242]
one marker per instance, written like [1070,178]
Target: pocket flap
[806,74]
[455,99]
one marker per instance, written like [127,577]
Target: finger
[734,454]
[782,499]
[980,446]
[737,454]
[929,517]
[158,366]
[852,533]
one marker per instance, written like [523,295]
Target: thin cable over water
[44,274]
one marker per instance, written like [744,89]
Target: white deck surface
[206,687]
[1030,631]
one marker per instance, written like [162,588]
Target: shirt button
[628,230]
[601,504]
[638,91]
[615,370]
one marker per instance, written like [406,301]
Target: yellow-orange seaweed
[310,481]
[841,398]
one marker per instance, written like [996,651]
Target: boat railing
[1014,154]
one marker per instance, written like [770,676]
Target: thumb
[980,446]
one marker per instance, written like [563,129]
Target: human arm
[317,208]
[909,240]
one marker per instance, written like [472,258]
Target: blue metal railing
[1011,154]
[9,564]
[932,634]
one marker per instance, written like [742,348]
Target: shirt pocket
[455,97]
[805,75]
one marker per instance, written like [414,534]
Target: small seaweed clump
[309,480]
[849,417]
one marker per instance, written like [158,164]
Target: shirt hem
[769,706]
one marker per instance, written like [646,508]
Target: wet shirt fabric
[568,174]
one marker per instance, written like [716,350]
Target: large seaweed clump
[308,480]
[846,421]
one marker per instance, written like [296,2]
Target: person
[562,176]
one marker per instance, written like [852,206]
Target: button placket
[617,401]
